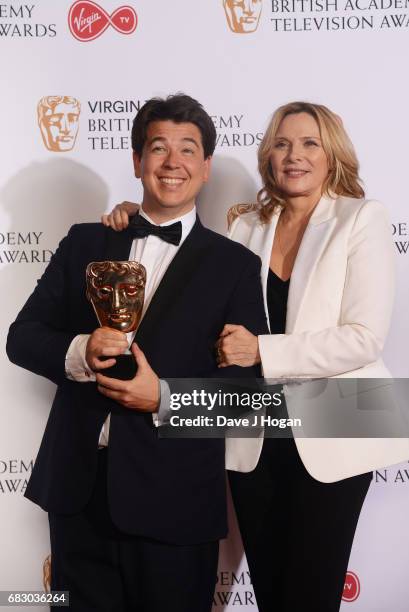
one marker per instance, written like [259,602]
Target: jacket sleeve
[39,338]
[246,307]
[365,313]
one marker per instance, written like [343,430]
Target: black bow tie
[140,228]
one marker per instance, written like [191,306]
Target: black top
[277,295]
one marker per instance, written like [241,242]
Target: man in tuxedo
[135,519]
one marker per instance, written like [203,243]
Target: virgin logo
[352,587]
[87,20]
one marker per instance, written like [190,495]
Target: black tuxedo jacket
[167,489]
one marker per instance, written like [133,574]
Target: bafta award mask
[243,16]
[116,289]
[58,119]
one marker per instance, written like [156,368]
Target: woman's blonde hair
[343,178]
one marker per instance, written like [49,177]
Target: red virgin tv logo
[352,587]
[87,20]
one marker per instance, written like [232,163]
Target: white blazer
[338,313]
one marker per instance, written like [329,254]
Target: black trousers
[297,532]
[106,570]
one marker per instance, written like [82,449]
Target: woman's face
[298,161]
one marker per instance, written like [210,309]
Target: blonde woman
[328,283]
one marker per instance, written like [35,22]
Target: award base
[124,369]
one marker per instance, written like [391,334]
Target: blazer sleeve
[365,313]
[38,340]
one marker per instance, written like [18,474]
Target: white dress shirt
[155,255]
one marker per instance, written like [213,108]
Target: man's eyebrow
[155,138]
[192,140]
[163,139]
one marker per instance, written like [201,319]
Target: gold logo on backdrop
[243,16]
[58,119]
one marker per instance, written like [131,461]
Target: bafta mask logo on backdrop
[87,20]
[243,16]
[352,587]
[58,119]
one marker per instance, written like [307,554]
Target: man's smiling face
[172,167]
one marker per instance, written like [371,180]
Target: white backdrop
[348,54]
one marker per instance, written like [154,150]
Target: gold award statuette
[116,290]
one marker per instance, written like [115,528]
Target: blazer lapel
[176,277]
[312,245]
[261,243]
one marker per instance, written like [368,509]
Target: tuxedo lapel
[312,245]
[176,277]
[118,245]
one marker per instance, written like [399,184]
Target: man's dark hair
[178,108]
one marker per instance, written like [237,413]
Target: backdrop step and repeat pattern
[90,66]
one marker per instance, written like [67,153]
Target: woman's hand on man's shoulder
[118,218]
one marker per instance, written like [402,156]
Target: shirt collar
[187,220]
